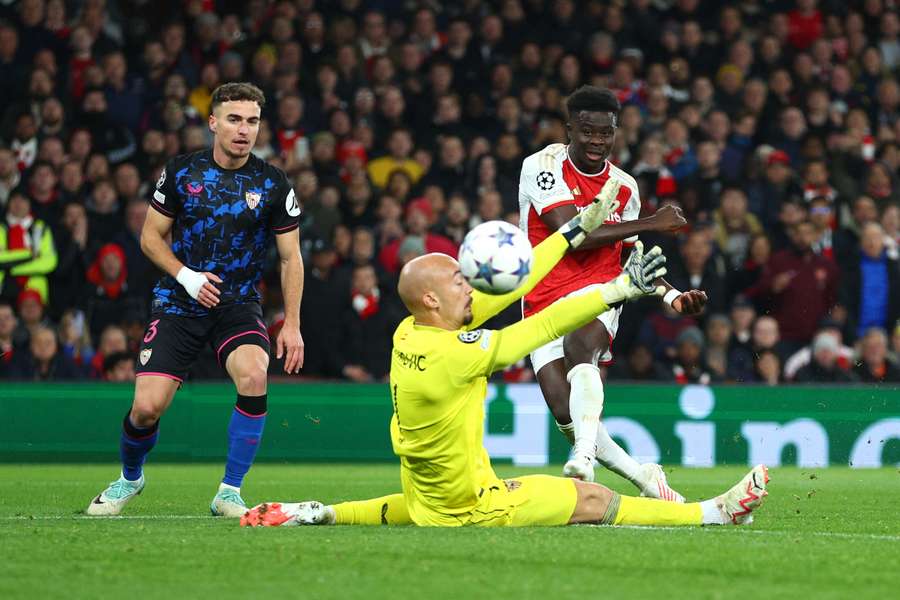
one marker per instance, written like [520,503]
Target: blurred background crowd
[775,125]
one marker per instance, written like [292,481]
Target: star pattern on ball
[486,272]
[504,238]
[523,270]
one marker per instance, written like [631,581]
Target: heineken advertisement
[692,425]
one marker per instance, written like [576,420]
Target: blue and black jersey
[224,222]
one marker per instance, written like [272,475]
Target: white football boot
[739,502]
[581,465]
[113,499]
[652,483]
[288,514]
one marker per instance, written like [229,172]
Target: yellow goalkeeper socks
[387,510]
[627,510]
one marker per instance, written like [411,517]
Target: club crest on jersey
[145,356]
[545,180]
[470,337]
[252,199]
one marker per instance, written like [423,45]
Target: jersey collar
[580,172]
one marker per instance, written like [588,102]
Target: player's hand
[690,302]
[668,218]
[199,286]
[638,277]
[290,345]
[604,204]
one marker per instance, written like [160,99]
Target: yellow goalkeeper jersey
[438,385]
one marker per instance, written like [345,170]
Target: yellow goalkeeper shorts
[533,500]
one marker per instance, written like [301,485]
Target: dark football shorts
[172,342]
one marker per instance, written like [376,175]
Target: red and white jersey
[550,179]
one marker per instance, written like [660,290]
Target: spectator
[43,362]
[799,286]
[824,365]
[400,146]
[718,342]
[871,284]
[802,357]
[27,252]
[698,269]
[75,339]
[418,220]
[369,324]
[9,176]
[105,296]
[767,368]
[119,367]
[873,365]
[734,227]
[8,345]
[640,366]
[321,322]
[112,340]
[689,366]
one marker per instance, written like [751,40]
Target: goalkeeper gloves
[592,217]
[638,276]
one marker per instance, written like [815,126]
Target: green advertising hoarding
[690,425]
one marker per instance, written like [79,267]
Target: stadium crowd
[774,125]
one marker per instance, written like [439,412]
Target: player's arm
[499,349]
[153,244]
[569,236]
[290,342]
[668,218]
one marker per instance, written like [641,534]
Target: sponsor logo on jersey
[145,356]
[470,337]
[252,199]
[194,188]
[411,361]
[545,180]
[161,180]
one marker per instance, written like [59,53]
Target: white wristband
[670,296]
[191,281]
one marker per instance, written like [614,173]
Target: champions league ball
[495,257]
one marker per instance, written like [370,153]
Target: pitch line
[748,530]
[102,518]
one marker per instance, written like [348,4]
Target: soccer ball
[495,257]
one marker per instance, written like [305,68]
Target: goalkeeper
[439,368]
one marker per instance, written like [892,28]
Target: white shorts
[554,350]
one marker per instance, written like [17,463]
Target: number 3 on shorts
[151,331]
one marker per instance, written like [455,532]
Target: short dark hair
[113,360]
[593,99]
[231,92]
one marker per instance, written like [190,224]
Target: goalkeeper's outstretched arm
[638,279]
[546,254]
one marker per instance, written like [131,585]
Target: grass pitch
[822,533]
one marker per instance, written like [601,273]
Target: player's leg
[599,504]
[582,348]
[167,351]
[241,343]
[386,510]
[550,369]
[247,366]
[596,345]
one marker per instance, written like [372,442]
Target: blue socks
[244,432]
[134,446]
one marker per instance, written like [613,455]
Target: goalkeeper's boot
[227,503]
[739,502]
[289,514]
[113,499]
[581,465]
[652,483]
